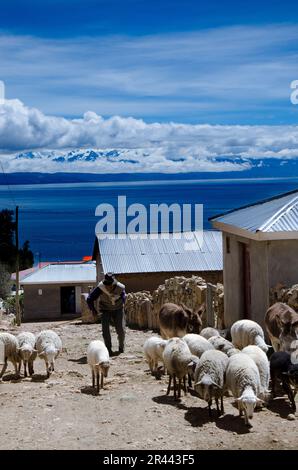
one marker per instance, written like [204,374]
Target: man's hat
[109,279]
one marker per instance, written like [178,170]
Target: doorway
[245,279]
[68,299]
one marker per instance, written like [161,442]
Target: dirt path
[132,412]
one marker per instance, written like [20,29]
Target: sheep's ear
[260,402]
[42,354]
[34,350]
[269,346]
[191,365]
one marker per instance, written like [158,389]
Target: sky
[93,73]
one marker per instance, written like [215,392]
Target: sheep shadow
[39,378]
[197,416]
[88,390]
[233,423]
[169,400]
[281,406]
[157,375]
[12,378]
[81,360]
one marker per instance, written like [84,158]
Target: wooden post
[209,304]
[18,313]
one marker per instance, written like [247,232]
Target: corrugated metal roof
[279,214]
[162,255]
[63,273]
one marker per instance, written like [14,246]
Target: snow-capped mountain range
[149,160]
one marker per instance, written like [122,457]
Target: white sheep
[179,362]
[49,346]
[210,378]
[262,363]
[243,380]
[27,351]
[197,344]
[153,351]
[99,362]
[247,332]
[221,344]
[208,332]
[9,350]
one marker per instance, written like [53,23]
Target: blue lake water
[59,219]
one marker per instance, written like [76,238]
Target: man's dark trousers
[118,318]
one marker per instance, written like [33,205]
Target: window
[228,248]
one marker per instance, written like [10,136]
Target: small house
[54,291]
[260,250]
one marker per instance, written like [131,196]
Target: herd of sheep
[218,366]
[212,365]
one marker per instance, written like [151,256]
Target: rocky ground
[132,412]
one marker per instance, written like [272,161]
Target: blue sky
[176,83]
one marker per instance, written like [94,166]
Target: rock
[275,440]
[291,417]
[128,397]
[74,373]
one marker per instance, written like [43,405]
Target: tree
[26,256]
[5,283]
[8,251]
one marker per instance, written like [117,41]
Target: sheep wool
[210,376]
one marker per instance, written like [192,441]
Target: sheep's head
[49,354]
[104,367]
[248,402]
[259,341]
[191,366]
[25,352]
[205,387]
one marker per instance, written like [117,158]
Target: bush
[10,304]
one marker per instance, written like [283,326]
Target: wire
[7,184]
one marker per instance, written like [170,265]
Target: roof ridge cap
[275,217]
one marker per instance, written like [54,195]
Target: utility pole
[18,313]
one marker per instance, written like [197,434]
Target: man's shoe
[121,350]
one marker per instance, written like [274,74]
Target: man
[111,294]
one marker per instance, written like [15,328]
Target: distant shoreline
[22,179]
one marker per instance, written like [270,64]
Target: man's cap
[109,278]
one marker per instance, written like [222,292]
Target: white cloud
[157,147]
[226,75]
